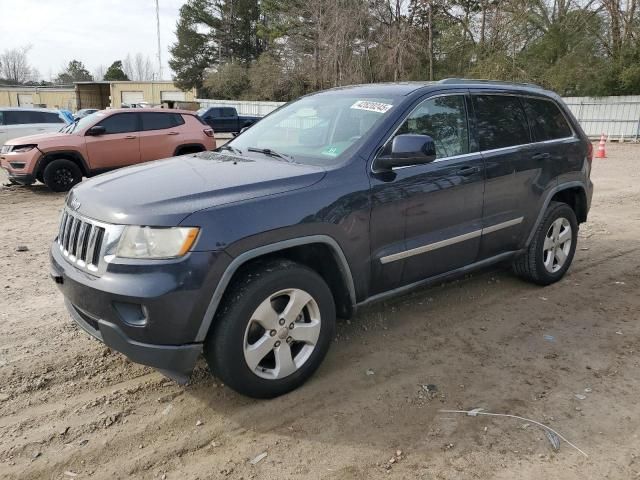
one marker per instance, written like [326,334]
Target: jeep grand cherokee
[339,199]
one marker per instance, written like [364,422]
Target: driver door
[427,219]
[119,146]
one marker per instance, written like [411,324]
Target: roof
[109,82]
[148,109]
[406,88]
[30,109]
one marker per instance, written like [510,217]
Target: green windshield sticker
[331,151]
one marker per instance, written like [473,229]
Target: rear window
[160,121]
[546,120]
[501,121]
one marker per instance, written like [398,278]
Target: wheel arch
[72,155]
[573,194]
[189,147]
[305,250]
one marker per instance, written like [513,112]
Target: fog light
[132,313]
[17,165]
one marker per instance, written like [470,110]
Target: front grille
[81,241]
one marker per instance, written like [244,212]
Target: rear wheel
[188,150]
[553,246]
[273,330]
[61,175]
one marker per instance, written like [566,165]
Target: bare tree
[14,66]
[98,72]
[139,68]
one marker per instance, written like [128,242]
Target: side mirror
[96,130]
[406,150]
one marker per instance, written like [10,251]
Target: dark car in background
[334,201]
[226,119]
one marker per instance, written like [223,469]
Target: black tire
[188,150]
[224,346]
[61,175]
[530,265]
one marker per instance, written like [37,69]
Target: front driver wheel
[61,175]
[273,330]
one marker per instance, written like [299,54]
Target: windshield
[315,129]
[82,123]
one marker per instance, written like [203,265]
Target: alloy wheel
[557,245]
[282,334]
[63,177]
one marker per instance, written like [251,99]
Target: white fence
[616,117]
[258,109]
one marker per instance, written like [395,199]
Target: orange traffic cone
[601,151]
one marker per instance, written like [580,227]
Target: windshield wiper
[70,127]
[271,153]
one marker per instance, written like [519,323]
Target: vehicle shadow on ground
[376,373]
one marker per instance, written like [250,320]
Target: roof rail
[483,81]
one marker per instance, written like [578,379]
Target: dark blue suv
[341,198]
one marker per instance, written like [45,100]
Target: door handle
[466,171]
[173,133]
[130,137]
[542,156]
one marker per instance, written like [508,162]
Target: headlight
[20,148]
[6,148]
[156,242]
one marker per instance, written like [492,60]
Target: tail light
[208,132]
[590,151]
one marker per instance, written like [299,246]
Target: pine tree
[115,72]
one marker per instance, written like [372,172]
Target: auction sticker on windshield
[371,106]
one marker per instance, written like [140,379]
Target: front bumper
[27,161]
[151,313]
[176,362]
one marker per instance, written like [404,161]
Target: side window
[1,118]
[227,112]
[546,120]
[49,117]
[160,121]
[501,121]
[445,120]
[120,123]
[17,117]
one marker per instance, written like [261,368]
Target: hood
[38,138]
[164,192]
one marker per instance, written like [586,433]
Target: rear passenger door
[228,119]
[426,218]
[557,148]
[161,134]
[515,179]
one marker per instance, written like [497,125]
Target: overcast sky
[96,32]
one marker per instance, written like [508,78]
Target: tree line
[281,49]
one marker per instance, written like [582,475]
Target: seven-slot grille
[80,241]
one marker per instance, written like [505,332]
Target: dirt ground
[70,408]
